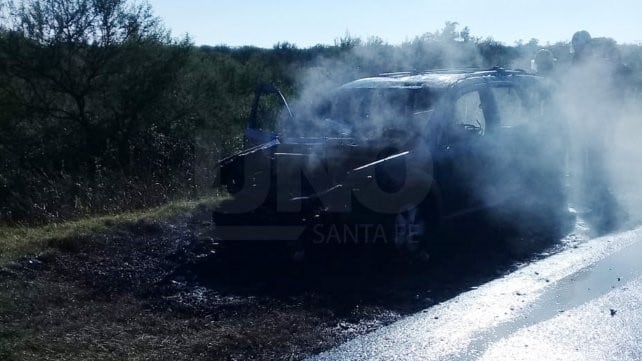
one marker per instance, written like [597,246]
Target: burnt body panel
[442,145]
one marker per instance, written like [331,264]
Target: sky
[264,23]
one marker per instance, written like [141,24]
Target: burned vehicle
[394,159]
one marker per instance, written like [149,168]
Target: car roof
[435,79]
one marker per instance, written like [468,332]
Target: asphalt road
[584,303]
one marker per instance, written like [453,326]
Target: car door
[268,106]
[532,161]
[464,167]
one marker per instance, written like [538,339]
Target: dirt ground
[171,291]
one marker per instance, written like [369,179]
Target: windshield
[363,113]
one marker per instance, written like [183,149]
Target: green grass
[20,240]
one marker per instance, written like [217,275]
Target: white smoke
[601,106]
[597,115]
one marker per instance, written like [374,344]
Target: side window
[516,106]
[468,114]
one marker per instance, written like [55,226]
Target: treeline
[102,110]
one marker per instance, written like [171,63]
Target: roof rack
[501,70]
[464,70]
[498,69]
[453,70]
[399,73]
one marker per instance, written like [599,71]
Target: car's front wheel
[412,231]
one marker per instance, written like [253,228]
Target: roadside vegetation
[18,240]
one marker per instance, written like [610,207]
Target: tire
[413,232]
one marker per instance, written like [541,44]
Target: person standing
[590,96]
[544,63]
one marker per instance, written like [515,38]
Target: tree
[94,22]
[81,82]
[92,65]
[347,41]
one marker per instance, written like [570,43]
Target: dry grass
[21,240]
[107,300]
[59,321]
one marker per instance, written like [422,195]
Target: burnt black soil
[170,290]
